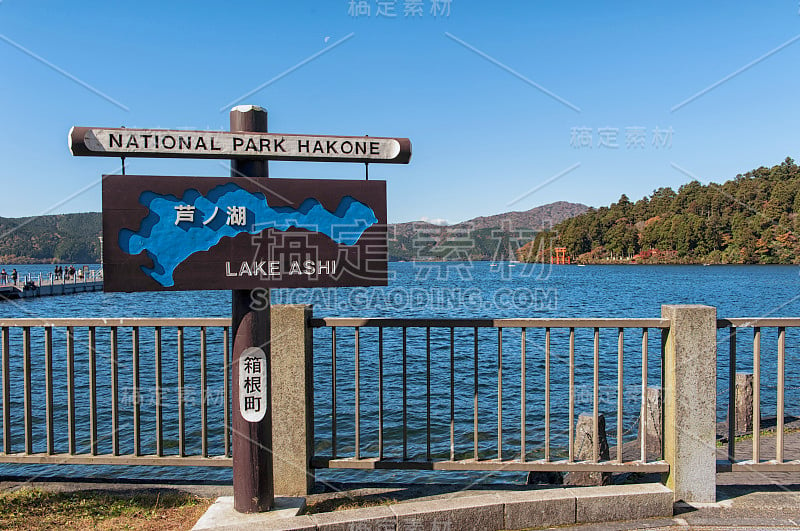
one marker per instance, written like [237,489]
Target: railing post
[292,399]
[690,393]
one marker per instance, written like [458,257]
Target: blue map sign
[192,233]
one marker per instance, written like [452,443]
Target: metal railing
[425,394]
[54,411]
[444,449]
[755,460]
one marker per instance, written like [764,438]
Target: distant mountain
[74,238]
[483,238]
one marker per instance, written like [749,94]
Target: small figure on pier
[14,276]
[3,276]
[57,273]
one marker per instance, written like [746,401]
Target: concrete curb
[506,510]
[222,515]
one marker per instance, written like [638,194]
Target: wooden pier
[46,287]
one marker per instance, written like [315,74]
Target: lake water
[478,289]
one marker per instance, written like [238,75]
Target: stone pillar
[690,397]
[655,436]
[292,400]
[584,451]
[744,402]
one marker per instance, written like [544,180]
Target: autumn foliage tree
[750,219]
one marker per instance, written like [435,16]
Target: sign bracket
[123,157]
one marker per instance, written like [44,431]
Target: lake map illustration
[175,228]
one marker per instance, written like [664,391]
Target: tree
[753,218]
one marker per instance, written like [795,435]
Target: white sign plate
[100,142]
[253,398]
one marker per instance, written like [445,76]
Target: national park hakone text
[244,144]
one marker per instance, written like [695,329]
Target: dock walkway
[48,287]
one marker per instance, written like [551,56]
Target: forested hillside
[752,219]
[60,238]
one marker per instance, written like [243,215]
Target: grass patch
[158,509]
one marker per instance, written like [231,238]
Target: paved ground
[757,505]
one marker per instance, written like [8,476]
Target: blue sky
[509,105]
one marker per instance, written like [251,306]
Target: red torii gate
[561,257]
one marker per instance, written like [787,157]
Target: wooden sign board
[212,233]
[100,142]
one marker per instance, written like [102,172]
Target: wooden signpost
[243,233]
[253,486]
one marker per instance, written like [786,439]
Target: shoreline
[515,262]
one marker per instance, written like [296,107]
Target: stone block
[484,512]
[655,436]
[366,519]
[621,502]
[584,451]
[744,402]
[297,523]
[538,508]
